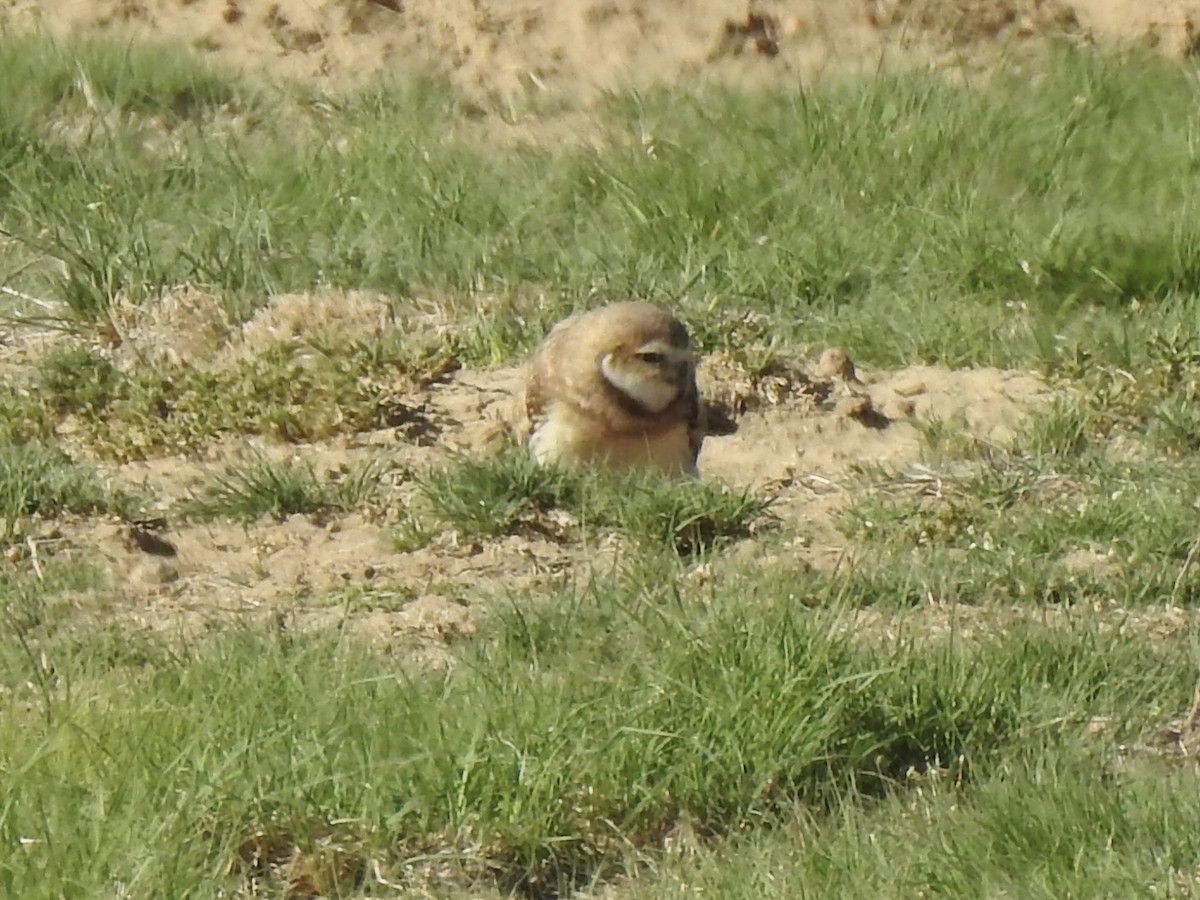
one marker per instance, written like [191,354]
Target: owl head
[647,360]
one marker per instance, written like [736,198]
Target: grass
[511,494]
[884,229]
[299,391]
[1056,517]
[32,606]
[967,706]
[581,728]
[23,416]
[40,481]
[257,486]
[1025,835]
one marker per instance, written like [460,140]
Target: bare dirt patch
[503,49]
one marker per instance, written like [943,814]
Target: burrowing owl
[616,385]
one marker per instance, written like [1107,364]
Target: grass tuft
[258,487]
[41,481]
[512,494]
[77,379]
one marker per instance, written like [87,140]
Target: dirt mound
[802,432]
[501,49]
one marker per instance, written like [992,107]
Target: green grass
[943,714]
[904,216]
[158,81]
[580,730]
[1055,518]
[512,494]
[41,481]
[1058,824]
[24,417]
[31,605]
[257,486]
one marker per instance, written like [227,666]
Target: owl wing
[533,405]
[536,397]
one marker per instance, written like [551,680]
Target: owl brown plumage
[616,385]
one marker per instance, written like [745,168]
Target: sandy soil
[496,49]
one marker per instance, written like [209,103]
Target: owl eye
[650,356]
